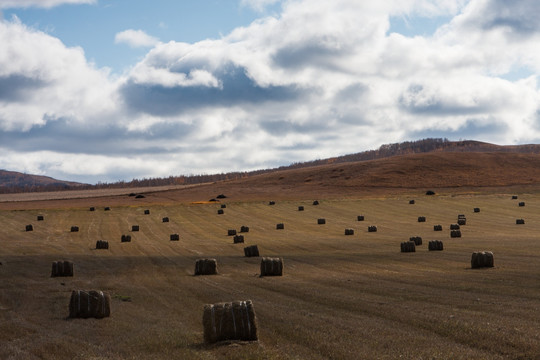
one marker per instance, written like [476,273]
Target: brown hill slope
[26,181]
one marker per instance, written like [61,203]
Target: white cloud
[135,38]
[6,4]
[258,5]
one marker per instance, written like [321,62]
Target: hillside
[28,182]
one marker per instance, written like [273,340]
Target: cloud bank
[135,38]
[316,80]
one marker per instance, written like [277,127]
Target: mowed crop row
[340,296]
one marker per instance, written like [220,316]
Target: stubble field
[341,297]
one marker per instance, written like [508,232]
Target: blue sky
[103,90]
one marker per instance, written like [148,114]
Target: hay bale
[92,209]
[461,216]
[408,246]
[238,239]
[522,203]
[221,196]
[174,237]
[316,202]
[251,251]
[435,245]
[62,268]
[244,229]
[271,266]
[321,221]
[125,238]
[437,227]
[454,227]
[421,219]
[372,228]
[300,208]
[430,192]
[462,221]
[220,212]
[223,206]
[146,212]
[417,240]
[455,233]
[520,222]
[280,226]
[139,196]
[231,232]
[229,321]
[272,203]
[514,197]
[349,231]
[102,244]
[165,219]
[206,267]
[135,228]
[40,218]
[86,304]
[476,210]
[74,229]
[481,259]
[29,227]
[360,218]
[411,202]
[132,194]
[107,208]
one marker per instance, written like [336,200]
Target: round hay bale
[520,222]
[300,208]
[221,196]
[40,218]
[372,228]
[229,321]
[462,221]
[206,267]
[107,208]
[430,192]
[321,221]
[408,246]
[435,245]
[140,196]
[455,233]
[514,197]
[437,227]
[454,227]
[522,203]
[223,206]
[251,251]
[125,238]
[74,229]
[272,203]
[360,218]
[174,237]
[349,231]
[132,194]
[476,210]
[89,304]
[482,259]
[412,202]
[271,266]
[146,212]
[280,226]
[92,209]
[244,229]
[135,228]
[231,232]
[421,219]
[165,219]
[62,268]
[220,212]
[316,202]
[29,227]
[417,240]
[238,239]
[102,244]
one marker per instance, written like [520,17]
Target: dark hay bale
[417,240]
[92,209]
[476,210]
[321,221]
[62,268]
[251,251]
[280,226]
[29,228]
[231,232]
[238,239]
[165,219]
[455,233]
[408,246]
[462,221]
[411,202]
[437,228]
[514,197]
[175,237]
[349,231]
[107,208]
[221,196]
[212,200]
[300,208]
[271,266]
[430,192]
[421,219]
[87,304]
[360,218]
[461,216]
[223,206]
[520,222]
[229,321]
[316,202]
[125,238]
[40,218]
[481,259]
[140,196]
[135,228]
[206,267]
[372,228]
[522,203]
[272,203]
[102,244]
[147,212]
[435,245]
[220,212]
[244,229]
[132,194]
[74,229]
[454,227]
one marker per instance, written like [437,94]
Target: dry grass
[341,297]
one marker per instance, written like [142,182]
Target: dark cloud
[18,87]
[472,129]
[311,54]
[519,15]
[237,89]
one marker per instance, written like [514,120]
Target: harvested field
[341,297]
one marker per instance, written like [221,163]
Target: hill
[27,182]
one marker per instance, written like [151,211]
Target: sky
[108,90]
